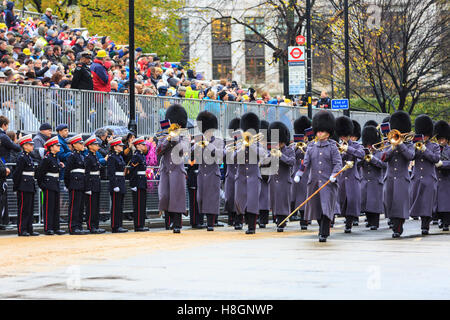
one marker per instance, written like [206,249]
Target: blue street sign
[339,104]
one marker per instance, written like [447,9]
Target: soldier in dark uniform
[372,169]
[298,188]
[350,181]
[264,194]
[423,186]
[138,184]
[356,135]
[23,178]
[397,179]
[74,178]
[323,161]
[92,185]
[208,154]
[172,186]
[230,178]
[117,189]
[248,177]
[82,77]
[281,179]
[47,177]
[442,133]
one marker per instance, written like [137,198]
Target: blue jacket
[65,151]
[10,20]
[49,22]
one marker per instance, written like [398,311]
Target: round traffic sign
[300,40]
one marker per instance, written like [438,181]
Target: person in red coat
[100,76]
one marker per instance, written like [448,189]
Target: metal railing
[28,107]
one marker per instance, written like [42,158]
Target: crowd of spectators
[42,51]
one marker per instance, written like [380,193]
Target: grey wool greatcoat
[443,184]
[208,177]
[298,190]
[172,184]
[230,179]
[248,178]
[323,160]
[372,183]
[423,187]
[349,182]
[265,192]
[396,180]
[282,182]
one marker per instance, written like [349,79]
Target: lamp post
[132,125]
[347,59]
[308,57]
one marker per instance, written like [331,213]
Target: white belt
[28,173]
[54,175]
[78,171]
[122,174]
[95,173]
[141,173]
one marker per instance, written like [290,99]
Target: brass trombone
[247,140]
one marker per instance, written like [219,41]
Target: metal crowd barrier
[28,107]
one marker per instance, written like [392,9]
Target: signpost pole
[308,58]
[132,125]
[347,57]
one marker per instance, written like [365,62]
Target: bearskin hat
[301,124]
[250,121]
[370,136]
[234,124]
[371,123]
[356,129]
[344,126]
[208,121]
[324,121]
[177,114]
[424,125]
[442,130]
[283,132]
[401,121]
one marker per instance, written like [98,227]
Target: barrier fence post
[78,112]
[17,123]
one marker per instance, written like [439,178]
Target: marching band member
[196,219]
[138,184]
[350,181]
[264,195]
[92,184]
[230,180]
[23,178]
[47,177]
[74,181]
[281,180]
[206,151]
[372,169]
[298,189]
[172,185]
[323,161]
[423,185]
[442,133]
[248,176]
[116,176]
[396,181]
[356,135]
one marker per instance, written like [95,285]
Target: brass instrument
[299,145]
[247,140]
[418,145]
[174,131]
[203,143]
[342,146]
[434,139]
[275,152]
[395,137]
[368,157]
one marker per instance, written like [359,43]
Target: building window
[255,62]
[221,48]
[183,27]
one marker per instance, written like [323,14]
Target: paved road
[293,265]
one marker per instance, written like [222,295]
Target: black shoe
[176,230]
[119,230]
[280,229]
[445,229]
[322,239]
[77,232]
[425,232]
[34,234]
[304,227]
[396,235]
[262,226]
[50,233]
[250,232]
[348,230]
[24,234]
[238,227]
[355,223]
[60,232]
[210,229]
[373,228]
[143,229]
